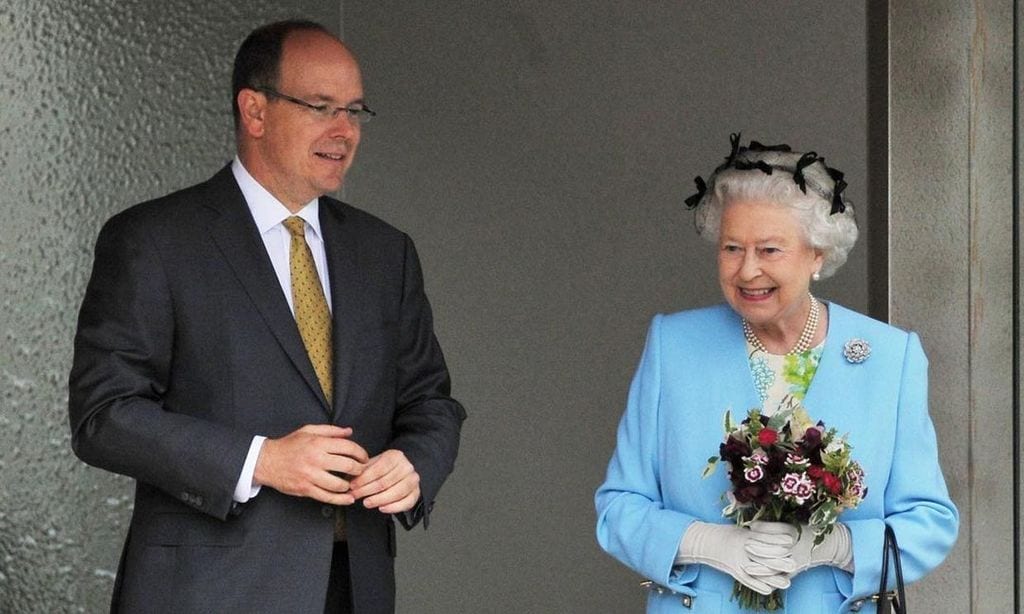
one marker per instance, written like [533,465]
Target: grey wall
[539,153]
[951,269]
[102,104]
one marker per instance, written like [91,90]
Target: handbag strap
[886,601]
[893,545]
[884,604]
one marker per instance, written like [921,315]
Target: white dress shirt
[268,213]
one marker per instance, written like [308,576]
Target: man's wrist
[246,488]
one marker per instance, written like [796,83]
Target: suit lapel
[234,231]
[341,247]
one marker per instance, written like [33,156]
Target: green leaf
[779,420]
[709,469]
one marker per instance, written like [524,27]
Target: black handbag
[891,601]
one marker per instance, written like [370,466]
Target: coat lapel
[737,370]
[833,394]
[341,246]
[234,231]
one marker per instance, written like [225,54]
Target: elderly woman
[780,222]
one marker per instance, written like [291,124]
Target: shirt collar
[267,211]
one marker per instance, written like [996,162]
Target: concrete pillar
[951,265]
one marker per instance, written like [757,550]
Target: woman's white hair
[768,175]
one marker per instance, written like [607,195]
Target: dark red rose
[832,483]
[776,463]
[734,449]
[815,472]
[812,439]
[751,493]
[767,437]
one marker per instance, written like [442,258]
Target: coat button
[327,511]
[687,601]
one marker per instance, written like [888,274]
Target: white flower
[758,457]
[798,486]
[796,459]
[753,474]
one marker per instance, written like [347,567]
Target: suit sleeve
[633,524]
[123,358]
[427,419]
[917,503]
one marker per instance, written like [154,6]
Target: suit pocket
[186,529]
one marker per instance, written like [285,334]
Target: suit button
[197,500]
[187,498]
[327,511]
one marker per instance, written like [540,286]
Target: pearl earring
[816,276]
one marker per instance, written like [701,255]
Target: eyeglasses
[357,113]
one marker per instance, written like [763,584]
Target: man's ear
[253,107]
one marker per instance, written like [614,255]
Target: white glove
[724,547]
[781,547]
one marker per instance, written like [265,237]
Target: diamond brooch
[856,350]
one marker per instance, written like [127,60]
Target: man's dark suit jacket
[186,349]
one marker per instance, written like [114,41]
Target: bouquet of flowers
[786,468]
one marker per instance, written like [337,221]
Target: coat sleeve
[427,419]
[120,374]
[917,503]
[633,524]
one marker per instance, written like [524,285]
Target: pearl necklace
[806,335]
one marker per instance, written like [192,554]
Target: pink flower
[758,457]
[754,473]
[855,474]
[796,459]
[798,486]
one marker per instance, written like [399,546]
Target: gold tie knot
[296,226]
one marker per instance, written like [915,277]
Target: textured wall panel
[951,266]
[102,104]
[539,153]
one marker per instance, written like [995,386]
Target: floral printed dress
[782,381]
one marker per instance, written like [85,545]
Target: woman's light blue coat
[694,367]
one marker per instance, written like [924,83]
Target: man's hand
[307,463]
[389,483]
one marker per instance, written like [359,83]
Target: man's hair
[258,59]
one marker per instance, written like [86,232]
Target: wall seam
[1015,303]
[972,337]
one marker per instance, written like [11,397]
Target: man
[261,359]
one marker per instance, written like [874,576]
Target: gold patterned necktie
[311,312]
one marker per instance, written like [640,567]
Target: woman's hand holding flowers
[731,549]
[788,550]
